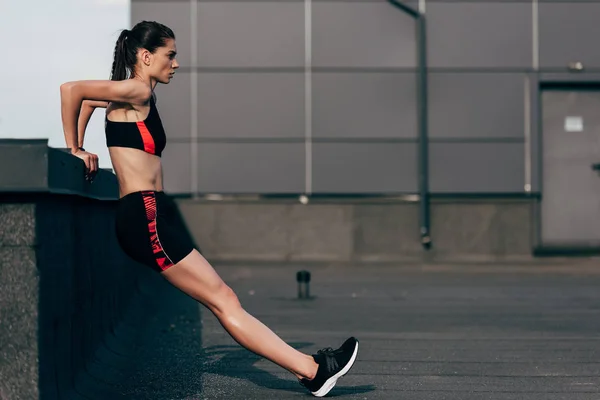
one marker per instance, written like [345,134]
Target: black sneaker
[333,364]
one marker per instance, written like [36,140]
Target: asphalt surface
[426,332]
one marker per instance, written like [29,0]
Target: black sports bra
[147,135]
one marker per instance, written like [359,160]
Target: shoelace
[330,360]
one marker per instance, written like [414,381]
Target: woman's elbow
[65,87]
[66,90]
[69,91]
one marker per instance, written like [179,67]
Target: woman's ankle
[311,371]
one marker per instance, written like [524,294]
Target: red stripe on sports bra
[149,146]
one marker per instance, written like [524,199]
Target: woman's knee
[226,301]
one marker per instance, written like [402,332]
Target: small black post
[303,279]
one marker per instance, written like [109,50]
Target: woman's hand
[91,163]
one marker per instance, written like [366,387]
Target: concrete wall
[18,303]
[71,302]
[356,231]
[65,288]
[244,116]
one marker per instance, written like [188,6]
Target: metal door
[570,204]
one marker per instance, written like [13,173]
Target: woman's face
[164,63]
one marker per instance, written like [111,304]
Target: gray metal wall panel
[568,33]
[476,167]
[251,34]
[364,167]
[251,105]
[176,167]
[367,34]
[479,35]
[364,105]
[251,167]
[176,15]
[173,103]
[476,105]
[269,104]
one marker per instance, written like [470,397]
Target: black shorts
[150,229]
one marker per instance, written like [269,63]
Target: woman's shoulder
[130,91]
[139,92]
[146,100]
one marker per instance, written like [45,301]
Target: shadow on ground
[168,360]
[237,362]
[169,356]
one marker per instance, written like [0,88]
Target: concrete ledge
[30,166]
[361,231]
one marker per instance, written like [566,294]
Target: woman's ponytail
[123,62]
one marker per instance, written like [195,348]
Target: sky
[47,43]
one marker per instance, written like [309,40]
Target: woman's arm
[87,109]
[72,95]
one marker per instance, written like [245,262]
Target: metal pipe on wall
[423,133]
[194,169]
[421,33]
[308,183]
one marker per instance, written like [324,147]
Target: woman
[147,226]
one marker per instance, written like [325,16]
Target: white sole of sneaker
[330,383]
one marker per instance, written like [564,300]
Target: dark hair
[148,35]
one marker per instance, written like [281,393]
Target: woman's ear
[146,57]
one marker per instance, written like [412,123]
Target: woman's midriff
[136,170]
